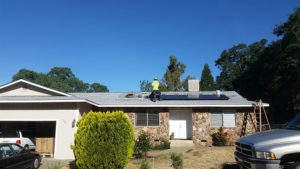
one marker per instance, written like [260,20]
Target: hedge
[104,140]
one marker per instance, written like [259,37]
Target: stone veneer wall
[202,131]
[157,133]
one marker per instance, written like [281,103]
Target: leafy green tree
[207,82]
[96,87]
[172,78]
[26,74]
[234,61]
[59,78]
[271,72]
[61,73]
[145,86]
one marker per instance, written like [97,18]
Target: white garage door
[180,123]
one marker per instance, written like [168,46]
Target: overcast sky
[120,42]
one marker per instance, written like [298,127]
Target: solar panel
[195,97]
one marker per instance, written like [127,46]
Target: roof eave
[170,106]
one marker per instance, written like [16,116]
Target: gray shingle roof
[140,99]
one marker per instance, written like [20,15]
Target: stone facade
[157,133]
[202,131]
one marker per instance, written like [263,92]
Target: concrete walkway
[51,163]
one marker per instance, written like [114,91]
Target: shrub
[145,165]
[142,144]
[177,161]
[172,136]
[220,138]
[103,140]
[162,146]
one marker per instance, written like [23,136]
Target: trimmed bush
[103,140]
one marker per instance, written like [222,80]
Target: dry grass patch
[216,158]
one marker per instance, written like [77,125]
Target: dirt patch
[206,159]
[213,158]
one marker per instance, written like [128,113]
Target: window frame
[222,112]
[147,118]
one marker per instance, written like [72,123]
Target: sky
[118,43]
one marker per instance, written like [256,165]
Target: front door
[180,122]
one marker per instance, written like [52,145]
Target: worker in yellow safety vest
[155,93]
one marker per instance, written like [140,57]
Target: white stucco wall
[63,114]
[23,92]
[22,89]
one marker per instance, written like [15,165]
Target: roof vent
[193,85]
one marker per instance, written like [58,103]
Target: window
[224,118]
[147,118]
[5,151]
[16,148]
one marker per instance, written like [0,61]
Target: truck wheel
[295,165]
[35,164]
[26,147]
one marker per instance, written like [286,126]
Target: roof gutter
[169,106]
[121,106]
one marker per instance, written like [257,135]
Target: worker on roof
[155,93]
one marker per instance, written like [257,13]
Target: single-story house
[190,115]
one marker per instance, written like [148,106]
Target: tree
[270,72]
[59,78]
[172,78]
[207,82]
[234,61]
[61,73]
[103,140]
[145,86]
[96,87]
[26,74]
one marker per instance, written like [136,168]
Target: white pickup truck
[271,149]
[22,137]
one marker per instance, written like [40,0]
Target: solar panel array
[195,97]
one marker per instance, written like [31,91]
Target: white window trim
[222,112]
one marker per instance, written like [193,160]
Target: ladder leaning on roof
[258,106]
